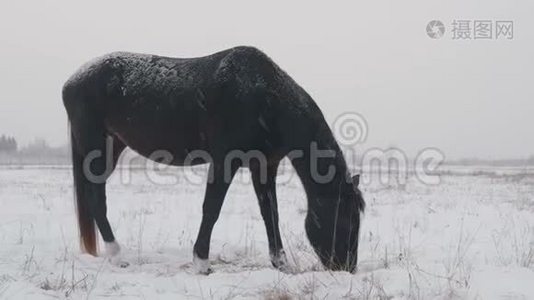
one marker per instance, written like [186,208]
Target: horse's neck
[309,175]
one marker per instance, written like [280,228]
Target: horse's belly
[162,134]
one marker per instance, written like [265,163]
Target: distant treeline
[8,144]
[495,162]
[37,152]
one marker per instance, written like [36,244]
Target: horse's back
[228,100]
[127,74]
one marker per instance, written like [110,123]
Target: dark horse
[233,101]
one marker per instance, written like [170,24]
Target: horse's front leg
[265,187]
[218,182]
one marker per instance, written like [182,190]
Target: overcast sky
[467,98]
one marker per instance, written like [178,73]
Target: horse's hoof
[284,268]
[112,248]
[201,266]
[123,264]
[118,262]
[205,272]
[113,252]
[280,262]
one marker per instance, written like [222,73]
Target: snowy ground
[472,236]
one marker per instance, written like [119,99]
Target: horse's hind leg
[266,191]
[112,247]
[216,189]
[93,162]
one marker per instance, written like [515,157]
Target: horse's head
[333,226]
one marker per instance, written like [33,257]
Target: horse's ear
[356,180]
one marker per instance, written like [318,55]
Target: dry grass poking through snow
[454,240]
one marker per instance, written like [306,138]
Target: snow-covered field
[472,236]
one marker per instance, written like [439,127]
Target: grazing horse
[234,103]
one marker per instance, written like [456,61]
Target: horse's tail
[86,223]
